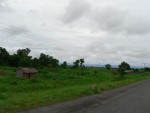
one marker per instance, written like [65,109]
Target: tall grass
[56,85]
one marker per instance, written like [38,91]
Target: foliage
[147,69]
[4,56]
[81,62]
[45,60]
[22,59]
[56,85]
[23,52]
[108,66]
[78,63]
[64,64]
[136,70]
[123,66]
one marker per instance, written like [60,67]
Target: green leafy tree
[108,66]
[64,64]
[123,66]
[35,62]
[24,59]
[81,62]
[4,56]
[55,63]
[23,52]
[14,60]
[21,58]
[46,60]
[76,64]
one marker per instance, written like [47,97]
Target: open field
[56,85]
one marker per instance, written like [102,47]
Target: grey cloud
[108,18]
[118,33]
[112,47]
[140,54]
[115,20]
[137,25]
[4,6]
[75,10]
[11,30]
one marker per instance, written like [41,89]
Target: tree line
[22,59]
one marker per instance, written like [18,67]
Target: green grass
[57,85]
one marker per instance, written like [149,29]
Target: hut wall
[19,73]
[26,75]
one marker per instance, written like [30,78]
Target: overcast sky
[100,31]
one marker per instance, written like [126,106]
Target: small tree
[108,66]
[76,64]
[64,64]
[81,62]
[4,56]
[122,67]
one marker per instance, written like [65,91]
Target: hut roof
[28,70]
[129,71]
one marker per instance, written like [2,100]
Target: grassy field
[56,85]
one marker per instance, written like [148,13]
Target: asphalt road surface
[134,98]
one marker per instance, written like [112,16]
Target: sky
[100,31]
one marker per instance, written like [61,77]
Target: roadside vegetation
[57,83]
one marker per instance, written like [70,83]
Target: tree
[24,59]
[147,69]
[23,52]
[54,63]
[35,62]
[81,62]
[123,66]
[64,64]
[76,64]
[14,60]
[46,60]
[108,66]
[4,56]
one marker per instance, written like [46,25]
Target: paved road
[130,99]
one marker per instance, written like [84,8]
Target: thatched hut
[26,72]
[129,71]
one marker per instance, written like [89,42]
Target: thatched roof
[28,70]
[129,71]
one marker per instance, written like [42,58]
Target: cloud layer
[98,30]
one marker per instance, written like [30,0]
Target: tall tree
[35,62]
[76,64]
[108,66]
[81,62]
[46,60]
[24,59]
[54,62]
[64,64]
[4,56]
[123,66]
[23,52]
